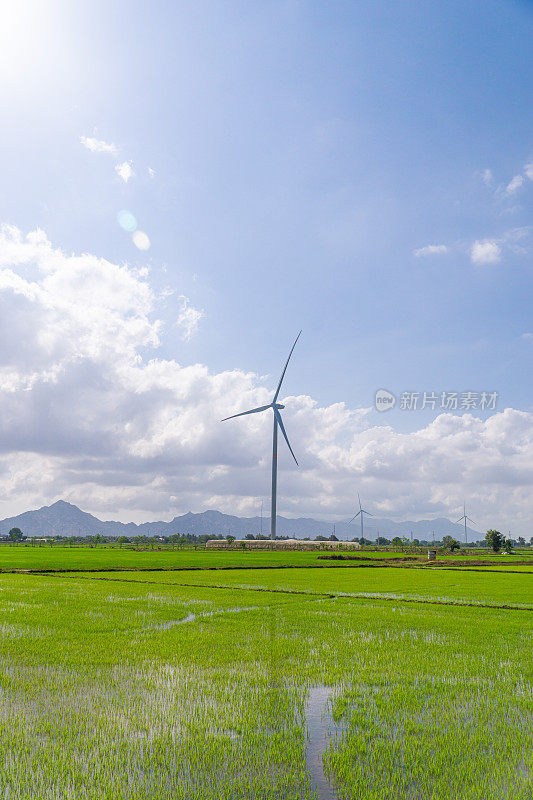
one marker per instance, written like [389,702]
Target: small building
[278,544]
[432,555]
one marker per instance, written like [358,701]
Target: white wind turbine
[465,518]
[360,512]
[276,407]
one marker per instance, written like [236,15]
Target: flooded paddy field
[328,685]
[479,586]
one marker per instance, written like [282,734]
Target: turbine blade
[354,517]
[243,413]
[282,426]
[471,520]
[359,499]
[284,371]
[367,512]
[459,520]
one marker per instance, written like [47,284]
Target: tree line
[494,540]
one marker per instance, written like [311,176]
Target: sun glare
[27,39]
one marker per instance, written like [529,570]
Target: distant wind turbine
[360,512]
[276,407]
[465,518]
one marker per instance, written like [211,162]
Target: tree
[15,535]
[230,539]
[494,540]
[415,543]
[333,538]
[521,541]
[397,542]
[382,541]
[508,545]
[123,540]
[250,536]
[451,543]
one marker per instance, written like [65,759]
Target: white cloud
[486,251]
[151,172]
[91,413]
[431,250]
[125,170]
[486,177]
[514,184]
[188,318]
[528,169]
[98,146]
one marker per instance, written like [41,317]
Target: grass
[106,693]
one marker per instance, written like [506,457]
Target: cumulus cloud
[98,146]
[125,170]
[91,412]
[528,169]
[430,250]
[514,184]
[485,251]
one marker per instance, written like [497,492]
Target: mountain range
[65,519]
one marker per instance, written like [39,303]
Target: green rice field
[343,682]
[56,557]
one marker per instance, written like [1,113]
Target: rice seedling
[132,689]
[446,586]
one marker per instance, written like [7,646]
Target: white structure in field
[278,544]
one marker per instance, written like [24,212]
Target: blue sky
[304,156]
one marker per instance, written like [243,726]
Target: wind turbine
[276,407]
[465,518]
[360,512]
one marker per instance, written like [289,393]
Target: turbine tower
[360,512]
[465,518]
[276,407]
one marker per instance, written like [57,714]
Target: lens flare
[126,220]
[141,240]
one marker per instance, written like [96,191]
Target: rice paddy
[279,683]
